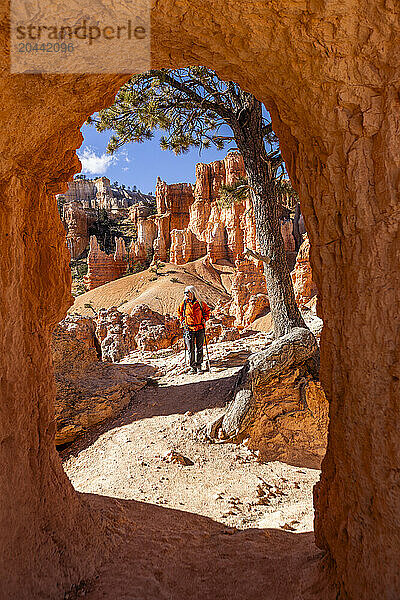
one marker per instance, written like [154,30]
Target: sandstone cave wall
[36,497]
[328,72]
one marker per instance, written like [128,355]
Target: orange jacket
[193,315]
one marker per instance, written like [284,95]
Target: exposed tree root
[278,403]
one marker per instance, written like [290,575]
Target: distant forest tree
[196,109]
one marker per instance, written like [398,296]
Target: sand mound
[262,324]
[162,292]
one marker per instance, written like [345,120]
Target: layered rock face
[103,267]
[77,221]
[142,248]
[100,194]
[80,190]
[174,199]
[185,247]
[304,287]
[225,230]
[89,391]
[84,198]
[173,202]
[219,228]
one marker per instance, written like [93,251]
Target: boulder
[145,329]
[89,391]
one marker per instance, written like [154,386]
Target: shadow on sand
[163,553]
[153,401]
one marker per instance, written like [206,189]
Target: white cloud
[95,164]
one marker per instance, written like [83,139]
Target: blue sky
[140,164]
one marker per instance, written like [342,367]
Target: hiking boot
[193,370]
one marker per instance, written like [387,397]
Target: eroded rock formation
[223,231]
[174,199]
[103,267]
[219,227]
[76,222]
[141,250]
[304,287]
[249,292]
[84,200]
[173,202]
[185,246]
[145,329]
[89,391]
[100,194]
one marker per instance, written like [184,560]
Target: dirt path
[223,491]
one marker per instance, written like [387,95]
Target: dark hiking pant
[194,341]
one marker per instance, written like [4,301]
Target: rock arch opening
[167,424]
[337,122]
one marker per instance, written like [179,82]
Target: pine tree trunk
[249,138]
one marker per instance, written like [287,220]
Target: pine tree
[196,109]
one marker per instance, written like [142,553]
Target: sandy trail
[198,531]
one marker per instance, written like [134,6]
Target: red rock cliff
[173,202]
[103,267]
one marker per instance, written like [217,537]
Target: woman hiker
[193,314]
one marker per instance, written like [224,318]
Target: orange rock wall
[175,200]
[45,525]
[185,247]
[103,267]
[219,228]
[342,153]
[142,248]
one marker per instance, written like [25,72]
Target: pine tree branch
[195,97]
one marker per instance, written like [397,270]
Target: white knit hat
[191,288]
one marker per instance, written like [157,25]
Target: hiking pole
[207,355]
[184,342]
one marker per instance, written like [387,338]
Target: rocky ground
[153,452]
